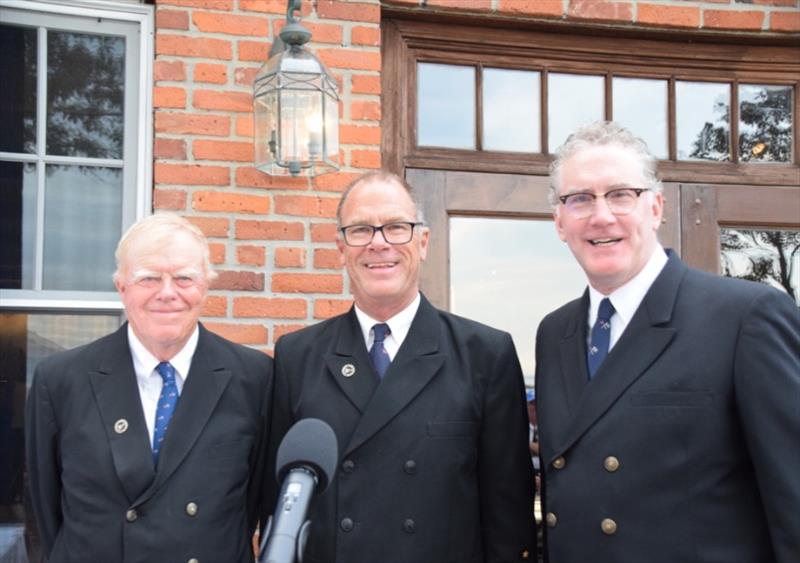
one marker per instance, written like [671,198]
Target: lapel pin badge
[348,370]
[120,426]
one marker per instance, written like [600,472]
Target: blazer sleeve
[42,456]
[767,383]
[505,467]
[259,472]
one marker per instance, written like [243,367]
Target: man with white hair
[147,445]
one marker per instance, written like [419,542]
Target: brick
[668,16]
[230,24]
[211,73]
[364,110]
[215,306]
[251,255]
[781,3]
[320,32]
[172,19]
[276,307]
[359,135]
[244,125]
[239,281]
[730,19]
[254,51]
[169,97]
[169,70]
[365,84]
[237,151]
[351,11]
[211,226]
[323,232]
[230,202]
[191,174]
[361,35]
[174,200]
[334,182]
[600,10]
[201,47]
[192,124]
[307,283]
[206,4]
[290,257]
[222,100]
[327,308]
[407,2]
[280,330]
[243,334]
[216,252]
[269,230]
[249,177]
[245,76]
[365,159]
[350,59]
[174,149]
[327,259]
[306,206]
[472,5]
[527,8]
[271,7]
[784,21]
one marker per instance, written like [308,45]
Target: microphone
[305,464]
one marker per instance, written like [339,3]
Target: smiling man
[429,408]
[667,398]
[148,444]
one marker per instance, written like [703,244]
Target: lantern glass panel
[332,130]
[301,126]
[265,112]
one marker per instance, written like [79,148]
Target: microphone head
[310,443]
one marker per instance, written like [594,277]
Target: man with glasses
[148,445]
[429,408]
[668,398]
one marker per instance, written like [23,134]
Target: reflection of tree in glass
[765,114]
[85,94]
[712,140]
[769,257]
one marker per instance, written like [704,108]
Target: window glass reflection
[17,225]
[18,77]
[83,219]
[509,274]
[640,105]
[446,106]
[572,100]
[770,257]
[702,117]
[85,89]
[765,123]
[511,107]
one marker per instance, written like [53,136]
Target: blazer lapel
[572,351]
[415,364]
[350,366]
[643,341]
[117,396]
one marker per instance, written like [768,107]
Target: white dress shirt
[399,325]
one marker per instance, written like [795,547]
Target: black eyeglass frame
[638,191]
[377,228]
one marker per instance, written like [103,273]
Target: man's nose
[601,212]
[378,239]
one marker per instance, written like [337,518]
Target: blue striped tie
[166,406]
[378,355]
[601,336]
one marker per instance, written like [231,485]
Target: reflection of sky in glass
[572,100]
[446,106]
[773,129]
[697,111]
[640,105]
[511,106]
[83,220]
[29,189]
[509,274]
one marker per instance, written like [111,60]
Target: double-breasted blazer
[95,492]
[685,446]
[434,463]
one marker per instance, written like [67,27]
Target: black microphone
[306,463]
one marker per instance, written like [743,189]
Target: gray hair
[379,176]
[602,133]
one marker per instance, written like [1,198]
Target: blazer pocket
[679,399]
[454,429]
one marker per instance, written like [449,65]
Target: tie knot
[166,371]
[605,310]
[381,331]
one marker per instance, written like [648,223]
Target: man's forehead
[379,197]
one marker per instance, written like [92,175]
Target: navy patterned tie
[601,336]
[378,355]
[166,406]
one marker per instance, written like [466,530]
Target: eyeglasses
[394,233]
[620,201]
[152,280]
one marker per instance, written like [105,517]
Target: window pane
[445,106]
[703,115]
[770,257]
[765,123]
[18,77]
[17,225]
[83,220]
[511,107]
[85,89]
[640,105]
[509,274]
[572,100]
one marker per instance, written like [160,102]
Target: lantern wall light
[296,107]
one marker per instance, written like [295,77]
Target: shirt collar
[144,363]
[399,325]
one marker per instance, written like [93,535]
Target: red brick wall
[272,239]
